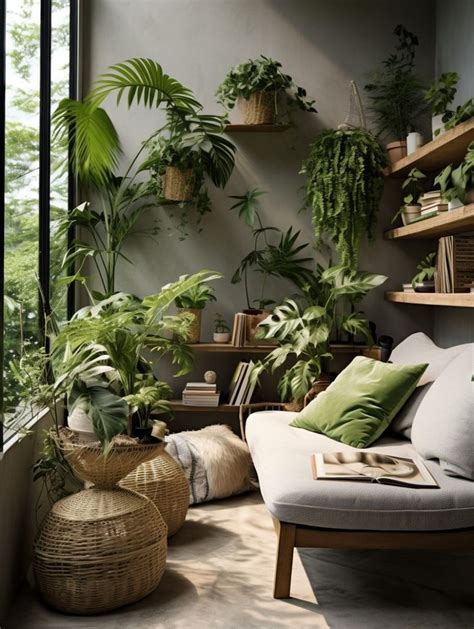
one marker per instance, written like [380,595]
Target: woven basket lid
[97,504]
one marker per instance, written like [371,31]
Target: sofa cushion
[361,402]
[402,424]
[443,427]
[282,458]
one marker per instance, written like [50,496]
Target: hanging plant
[344,186]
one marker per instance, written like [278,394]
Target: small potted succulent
[193,301]
[439,96]
[221,330]
[258,85]
[413,188]
[457,182]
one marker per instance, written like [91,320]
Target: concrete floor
[220,571]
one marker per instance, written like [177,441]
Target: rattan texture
[178,185]
[100,549]
[259,108]
[194,333]
[163,481]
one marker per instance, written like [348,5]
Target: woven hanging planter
[178,185]
[162,480]
[259,108]
[194,335]
[100,549]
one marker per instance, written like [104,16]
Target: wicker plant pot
[195,329]
[253,319]
[162,480]
[178,185]
[259,108]
[100,549]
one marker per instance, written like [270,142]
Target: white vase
[414,141]
[80,423]
[437,125]
[221,337]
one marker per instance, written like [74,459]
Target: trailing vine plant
[344,186]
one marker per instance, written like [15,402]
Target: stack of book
[432,203]
[201,394]
[427,286]
[455,264]
[239,331]
[241,388]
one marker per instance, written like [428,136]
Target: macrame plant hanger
[355,117]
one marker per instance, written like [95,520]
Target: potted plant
[439,96]
[457,182]
[149,399]
[258,84]
[344,185]
[193,302]
[396,94]
[422,282]
[221,330]
[303,328]
[413,187]
[461,114]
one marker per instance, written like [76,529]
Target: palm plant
[196,298]
[303,329]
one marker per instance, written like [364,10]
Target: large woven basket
[259,108]
[178,185]
[195,327]
[98,550]
[162,480]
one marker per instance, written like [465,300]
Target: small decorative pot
[410,213]
[259,108]
[221,337]
[455,203]
[437,125]
[80,423]
[178,185]
[414,141]
[195,330]
[396,150]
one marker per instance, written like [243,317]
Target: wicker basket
[162,480]
[178,185]
[98,550]
[259,108]
[195,327]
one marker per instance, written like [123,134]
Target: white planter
[80,423]
[221,337]
[410,213]
[437,125]
[452,205]
[414,141]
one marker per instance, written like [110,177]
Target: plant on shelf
[192,302]
[259,83]
[344,185]
[461,114]
[303,328]
[422,281]
[396,94]
[269,260]
[413,189]
[221,329]
[439,96]
[457,182]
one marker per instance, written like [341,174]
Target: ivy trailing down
[344,186]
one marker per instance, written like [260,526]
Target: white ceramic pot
[80,423]
[455,203]
[437,125]
[410,213]
[221,337]
[414,141]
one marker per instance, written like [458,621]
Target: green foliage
[395,92]
[456,181]
[220,324]
[304,331]
[196,297]
[270,260]
[149,400]
[461,114]
[344,185]
[261,74]
[413,186]
[426,269]
[442,93]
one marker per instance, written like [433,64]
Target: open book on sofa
[372,467]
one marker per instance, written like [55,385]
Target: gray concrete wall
[455,52]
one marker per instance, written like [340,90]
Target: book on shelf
[201,386]
[239,330]
[242,388]
[200,394]
[427,286]
[423,217]
[434,196]
[372,467]
[435,207]
[454,264]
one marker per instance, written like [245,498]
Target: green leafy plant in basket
[259,82]
[303,328]
[344,185]
[457,182]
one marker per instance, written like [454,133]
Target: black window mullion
[73,64]
[3,20]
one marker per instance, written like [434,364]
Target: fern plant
[344,185]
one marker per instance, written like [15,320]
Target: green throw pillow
[361,402]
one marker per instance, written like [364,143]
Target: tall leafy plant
[344,185]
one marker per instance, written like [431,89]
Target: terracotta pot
[195,330]
[259,108]
[410,213]
[396,150]
[178,185]
[253,318]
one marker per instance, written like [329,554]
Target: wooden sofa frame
[291,536]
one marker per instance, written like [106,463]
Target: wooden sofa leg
[284,560]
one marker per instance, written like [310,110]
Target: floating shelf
[337,348]
[256,128]
[445,224]
[459,300]
[449,147]
[177,405]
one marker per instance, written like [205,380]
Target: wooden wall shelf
[256,128]
[178,406]
[445,149]
[459,300]
[445,224]
[337,348]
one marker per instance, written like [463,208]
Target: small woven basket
[259,108]
[195,327]
[98,550]
[178,185]
[162,480]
